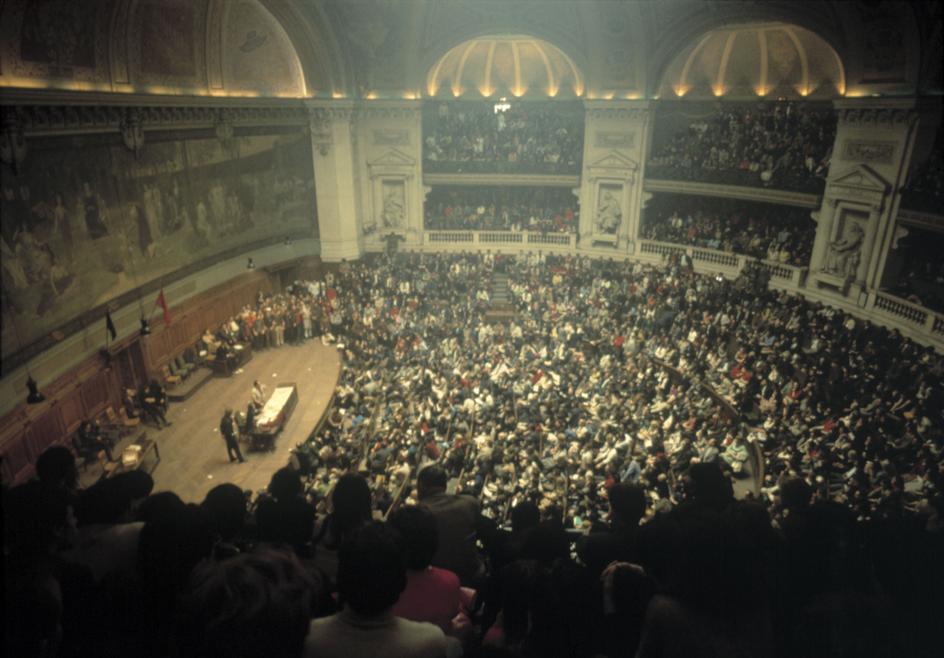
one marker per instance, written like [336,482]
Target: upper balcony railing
[501,167]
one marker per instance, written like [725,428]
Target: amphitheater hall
[472,328]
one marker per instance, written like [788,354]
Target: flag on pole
[109,325]
[163,304]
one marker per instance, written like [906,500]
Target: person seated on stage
[151,405]
[208,342]
[251,412]
[258,394]
[130,404]
[90,440]
[223,353]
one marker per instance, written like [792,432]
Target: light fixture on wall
[288,241]
[145,326]
[34,397]
[250,265]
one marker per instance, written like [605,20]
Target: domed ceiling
[756,60]
[507,66]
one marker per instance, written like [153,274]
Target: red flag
[163,304]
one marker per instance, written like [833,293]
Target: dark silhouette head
[417,526]
[372,569]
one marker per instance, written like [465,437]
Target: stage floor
[193,454]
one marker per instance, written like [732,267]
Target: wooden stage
[193,454]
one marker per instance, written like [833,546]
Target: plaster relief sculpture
[609,214]
[844,254]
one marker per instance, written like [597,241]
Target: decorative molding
[393,158]
[613,160]
[391,137]
[40,119]
[877,117]
[373,111]
[621,113]
[868,150]
[613,140]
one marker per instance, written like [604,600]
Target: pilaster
[856,221]
[334,160]
[616,138]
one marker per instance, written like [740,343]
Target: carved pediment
[862,178]
[614,160]
[393,158]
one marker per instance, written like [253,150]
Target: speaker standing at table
[231,435]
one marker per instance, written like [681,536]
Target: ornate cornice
[876,112]
[52,119]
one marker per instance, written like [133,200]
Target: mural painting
[85,222]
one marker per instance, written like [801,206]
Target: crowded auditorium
[482,328]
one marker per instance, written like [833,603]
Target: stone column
[333,149]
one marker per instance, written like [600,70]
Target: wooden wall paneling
[72,411]
[44,431]
[96,394]
[17,463]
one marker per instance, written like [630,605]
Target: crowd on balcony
[617,410]
[925,187]
[523,137]
[784,145]
[920,278]
[543,209]
[778,233]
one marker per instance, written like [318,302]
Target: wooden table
[147,445]
[276,412]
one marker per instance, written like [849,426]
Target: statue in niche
[843,256]
[609,214]
[393,208]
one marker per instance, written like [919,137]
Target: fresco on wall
[59,33]
[85,221]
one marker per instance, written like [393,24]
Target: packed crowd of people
[784,145]
[925,187]
[609,422]
[524,136]
[921,277]
[774,232]
[544,209]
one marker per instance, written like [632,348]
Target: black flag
[109,325]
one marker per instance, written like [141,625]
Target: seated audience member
[130,404]
[371,577]
[350,510]
[114,500]
[286,517]
[599,549]
[531,621]
[627,591]
[153,401]
[251,605]
[48,602]
[225,504]
[90,440]
[432,594]
[56,469]
[457,519]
